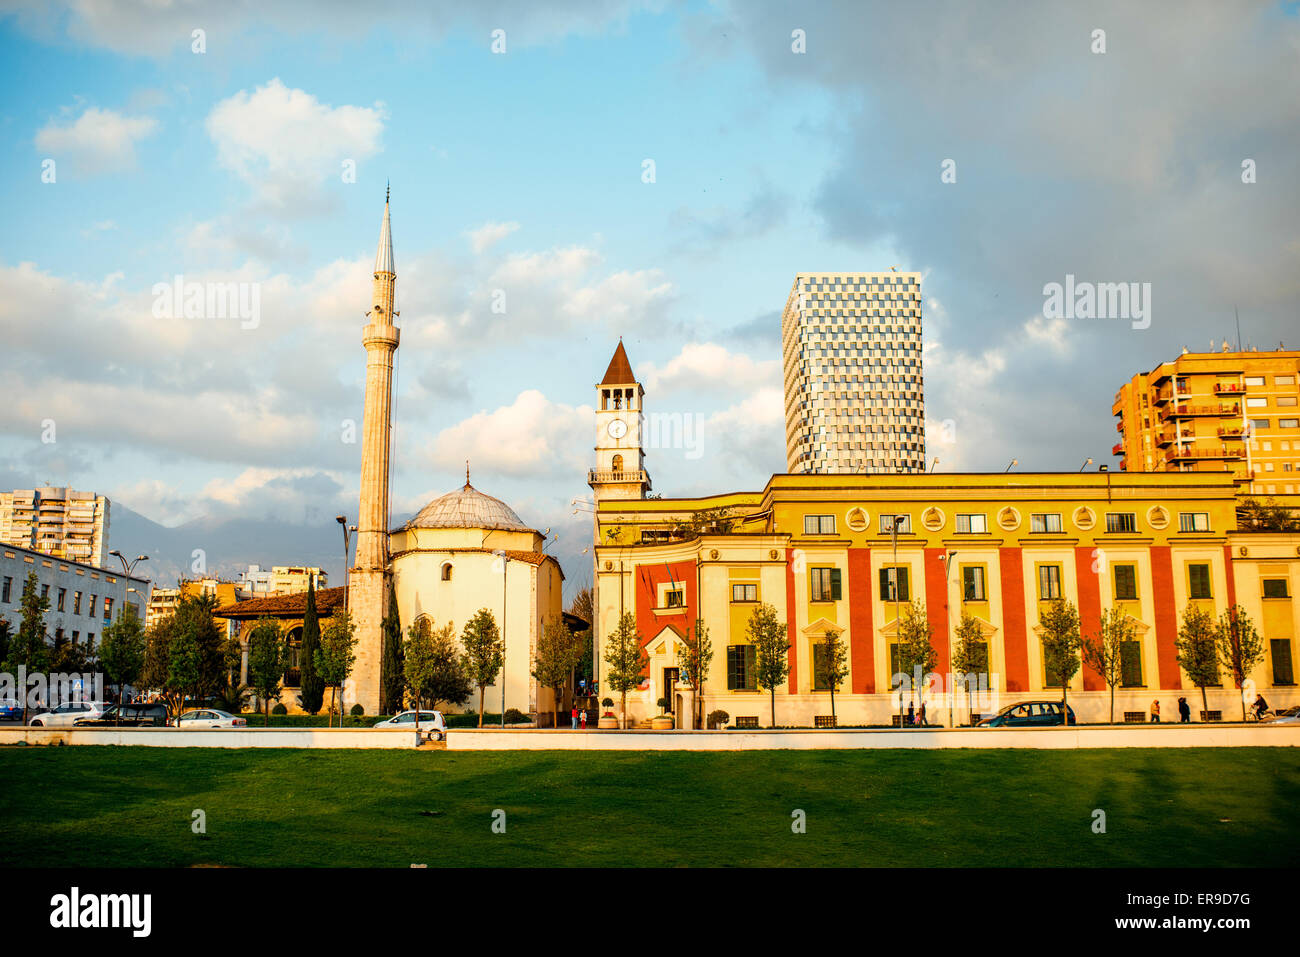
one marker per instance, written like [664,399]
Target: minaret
[368,578]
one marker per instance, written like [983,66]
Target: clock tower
[620,460]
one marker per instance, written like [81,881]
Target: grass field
[107,806]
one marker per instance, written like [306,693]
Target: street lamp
[1014,463]
[1085,464]
[127,569]
[347,551]
[934,463]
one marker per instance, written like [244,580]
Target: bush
[357,711]
[279,709]
[718,719]
[515,716]
[663,704]
[607,703]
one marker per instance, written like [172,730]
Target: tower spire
[384,255]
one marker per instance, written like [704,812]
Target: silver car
[430,721]
[208,718]
[65,715]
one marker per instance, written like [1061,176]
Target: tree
[771,642]
[267,657]
[27,648]
[970,653]
[121,649]
[1062,642]
[626,661]
[392,676]
[435,670]
[916,652]
[834,667]
[1197,650]
[1266,516]
[1240,647]
[582,606]
[233,694]
[194,662]
[694,657]
[1104,652]
[157,654]
[336,655]
[555,658]
[311,689]
[6,636]
[484,653]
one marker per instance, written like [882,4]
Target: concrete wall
[215,737]
[1164,736]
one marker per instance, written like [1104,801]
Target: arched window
[293,656]
[617,463]
[446,571]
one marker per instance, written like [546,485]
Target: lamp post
[127,569]
[1086,463]
[1014,463]
[347,551]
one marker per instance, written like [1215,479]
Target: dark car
[1029,714]
[128,716]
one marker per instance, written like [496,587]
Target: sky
[995,148]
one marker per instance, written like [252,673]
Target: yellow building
[163,601]
[1235,412]
[821,550]
[464,551]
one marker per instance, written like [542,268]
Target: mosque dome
[467,507]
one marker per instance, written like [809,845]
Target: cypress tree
[392,677]
[311,689]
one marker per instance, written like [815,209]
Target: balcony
[1230,431]
[1117,448]
[1194,411]
[1119,426]
[1229,388]
[608,475]
[1193,453]
[1170,435]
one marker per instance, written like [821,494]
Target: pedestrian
[584,719]
[922,715]
[1184,712]
[575,717]
[911,714]
[1155,711]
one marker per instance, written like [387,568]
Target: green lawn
[102,806]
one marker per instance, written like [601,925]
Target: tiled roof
[284,606]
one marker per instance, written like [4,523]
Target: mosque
[463,551]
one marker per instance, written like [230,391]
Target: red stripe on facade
[1166,615]
[936,603]
[1015,650]
[862,638]
[1227,570]
[1088,573]
[648,580]
[790,617]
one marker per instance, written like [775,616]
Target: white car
[208,718]
[1289,716]
[431,721]
[65,715]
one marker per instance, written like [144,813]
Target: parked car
[127,716]
[11,709]
[431,721]
[209,718]
[1287,716]
[1028,714]
[66,715]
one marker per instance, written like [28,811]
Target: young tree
[392,674]
[267,657]
[1240,647]
[1062,642]
[233,693]
[771,641]
[433,669]
[311,690]
[556,656]
[1197,650]
[195,662]
[916,652]
[694,658]
[27,648]
[626,661]
[1104,652]
[157,654]
[970,653]
[336,655]
[121,649]
[834,666]
[484,653]
[184,669]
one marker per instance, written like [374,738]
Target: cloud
[98,141]
[1049,333]
[489,234]
[286,144]
[532,436]
[708,366]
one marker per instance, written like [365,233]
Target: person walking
[1184,712]
[1155,711]
[574,715]
[922,714]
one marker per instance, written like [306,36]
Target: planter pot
[661,723]
[607,723]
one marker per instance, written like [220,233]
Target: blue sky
[522,172]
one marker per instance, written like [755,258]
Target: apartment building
[163,601]
[58,521]
[259,582]
[1234,412]
[853,378]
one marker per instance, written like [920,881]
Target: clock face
[617,429]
